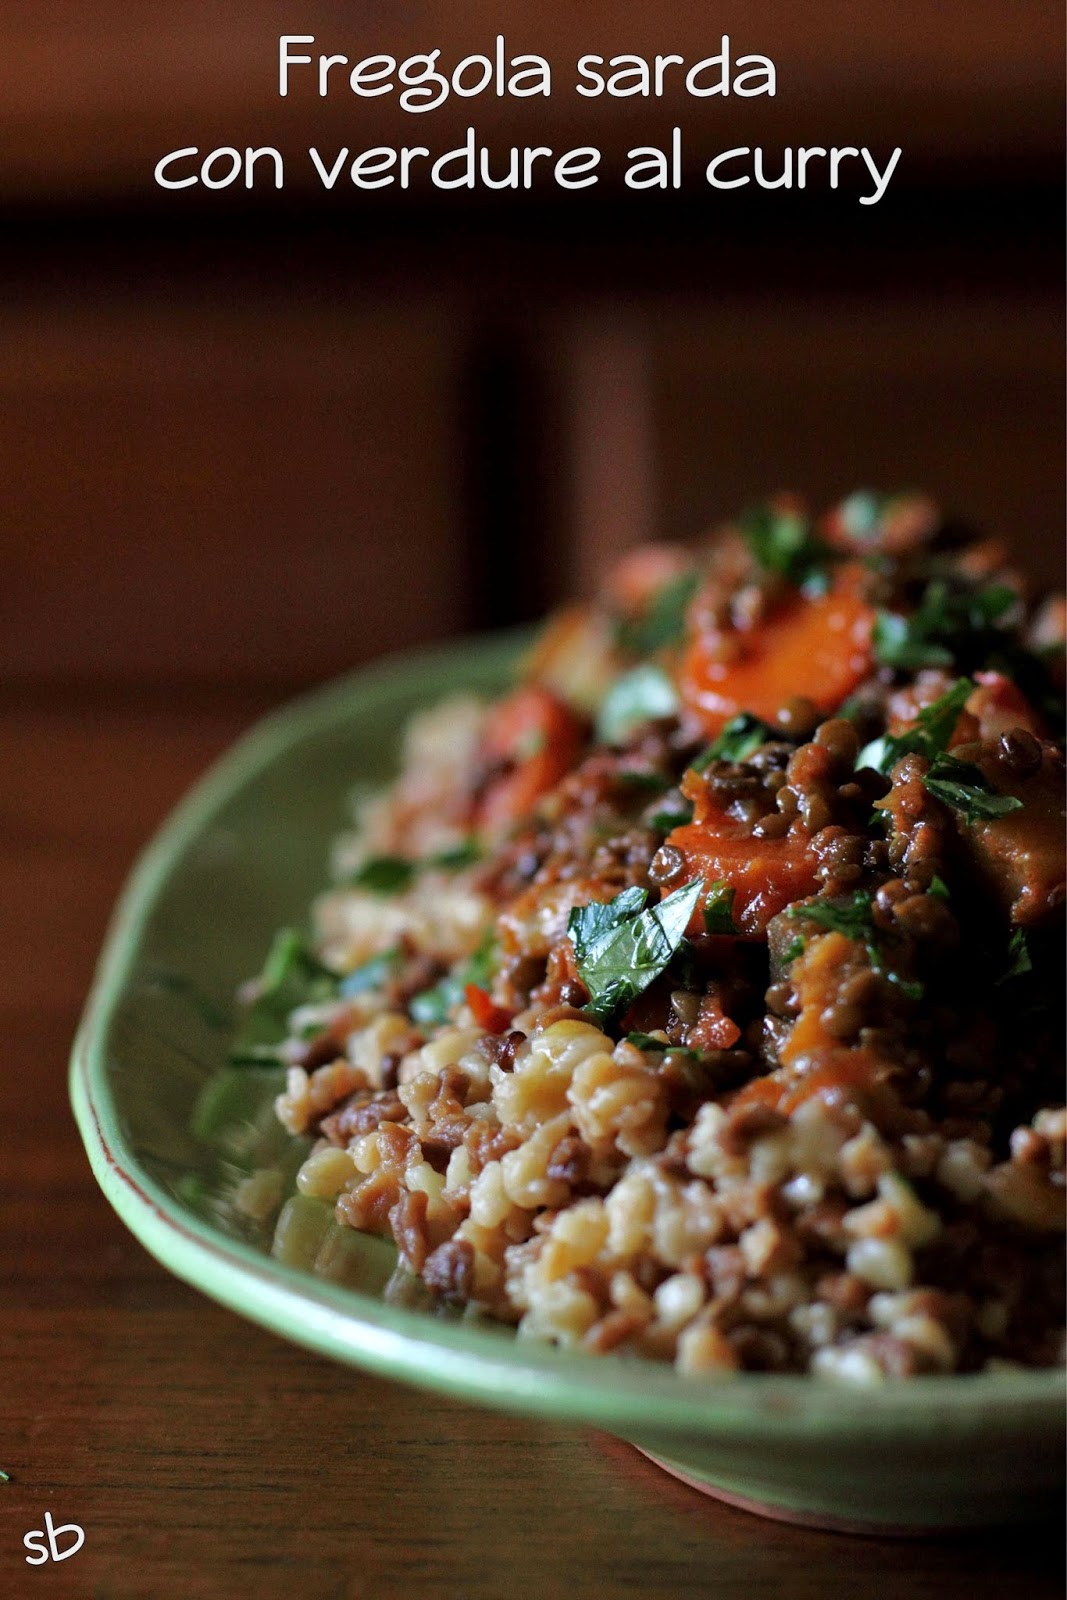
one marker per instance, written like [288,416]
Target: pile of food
[701,999]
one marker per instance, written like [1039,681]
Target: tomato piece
[713,1029]
[487,1014]
[532,739]
[818,646]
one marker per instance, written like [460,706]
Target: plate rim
[477,1364]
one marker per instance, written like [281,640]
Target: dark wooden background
[244,445]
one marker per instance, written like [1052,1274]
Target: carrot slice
[819,647]
[766,875]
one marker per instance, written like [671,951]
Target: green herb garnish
[742,737]
[854,918]
[393,874]
[719,908]
[967,789]
[457,857]
[663,621]
[1019,961]
[794,949]
[949,624]
[373,974]
[292,976]
[635,698]
[673,811]
[633,778]
[647,1041]
[383,874]
[784,542]
[432,1007]
[933,729]
[621,947]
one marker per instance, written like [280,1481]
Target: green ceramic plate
[170,1134]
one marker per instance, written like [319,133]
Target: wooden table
[203,1457]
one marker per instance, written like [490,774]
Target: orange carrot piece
[817,647]
[766,875]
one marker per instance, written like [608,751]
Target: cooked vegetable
[818,647]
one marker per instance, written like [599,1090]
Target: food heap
[700,999]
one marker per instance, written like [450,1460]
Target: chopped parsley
[292,976]
[457,857]
[648,1041]
[783,542]
[793,949]
[635,698]
[431,1008]
[742,737]
[967,789]
[663,622]
[383,874]
[392,874]
[855,920]
[719,908]
[933,729]
[852,917]
[634,778]
[673,811]
[949,624]
[621,947]
[1019,961]
[373,974]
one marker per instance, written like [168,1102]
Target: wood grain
[205,1458]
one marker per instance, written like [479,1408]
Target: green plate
[170,1135]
